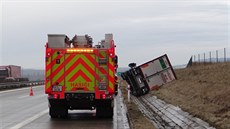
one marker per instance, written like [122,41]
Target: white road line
[21,97]
[35,96]
[29,120]
[20,89]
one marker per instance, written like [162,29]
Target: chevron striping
[111,74]
[81,63]
[48,84]
[82,74]
[68,58]
[80,67]
[57,76]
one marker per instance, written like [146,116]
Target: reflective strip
[80,71]
[58,70]
[102,54]
[48,72]
[111,74]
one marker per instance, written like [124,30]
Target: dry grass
[204,91]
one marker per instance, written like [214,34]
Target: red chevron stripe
[81,61]
[101,56]
[78,74]
[102,70]
[96,64]
[53,61]
[60,79]
[48,67]
[90,58]
[60,67]
[75,65]
[92,72]
[111,78]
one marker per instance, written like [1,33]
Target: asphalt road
[18,110]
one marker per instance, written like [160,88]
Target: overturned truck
[149,76]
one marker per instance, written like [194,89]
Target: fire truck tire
[105,110]
[56,112]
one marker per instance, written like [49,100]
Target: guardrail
[9,85]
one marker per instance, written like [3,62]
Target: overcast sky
[142,30]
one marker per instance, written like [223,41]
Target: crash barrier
[9,85]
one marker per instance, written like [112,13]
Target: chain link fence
[221,55]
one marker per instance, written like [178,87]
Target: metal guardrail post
[128,93]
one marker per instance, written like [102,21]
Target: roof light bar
[79,50]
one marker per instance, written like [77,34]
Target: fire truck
[80,76]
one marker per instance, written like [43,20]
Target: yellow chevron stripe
[48,84]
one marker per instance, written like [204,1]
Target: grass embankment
[203,91]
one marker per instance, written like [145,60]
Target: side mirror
[115,59]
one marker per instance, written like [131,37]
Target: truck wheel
[99,111]
[104,112]
[105,109]
[58,112]
[109,112]
[53,112]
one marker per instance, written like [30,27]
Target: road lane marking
[35,96]
[24,96]
[20,89]
[29,120]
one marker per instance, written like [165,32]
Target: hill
[203,91]
[33,74]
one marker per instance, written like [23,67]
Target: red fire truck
[80,76]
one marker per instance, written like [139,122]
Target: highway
[18,110]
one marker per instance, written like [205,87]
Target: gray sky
[142,30]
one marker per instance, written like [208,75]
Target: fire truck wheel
[53,112]
[56,112]
[105,109]
[104,112]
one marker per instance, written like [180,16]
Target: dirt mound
[203,91]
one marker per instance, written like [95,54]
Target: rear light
[103,96]
[57,88]
[55,96]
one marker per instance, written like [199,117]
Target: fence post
[204,58]
[224,54]
[216,56]
[210,55]
[199,58]
[194,58]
